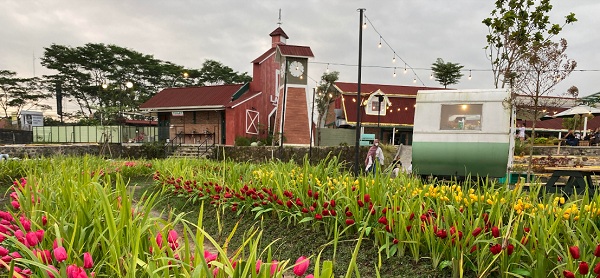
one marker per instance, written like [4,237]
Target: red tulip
[473,249]
[441,233]
[349,214]
[408,228]
[574,250]
[60,254]
[477,231]
[349,221]
[509,249]
[360,203]
[526,229]
[87,260]
[301,266]
[495,249]
[495,231]
[568,274]
[584,268]
[597,251]
[382,220]
[597,268]
[395,241]
[367,198]
[318,217]
[332,203]
[412,216]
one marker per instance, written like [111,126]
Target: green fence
[94,134]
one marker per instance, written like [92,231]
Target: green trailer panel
[460,158]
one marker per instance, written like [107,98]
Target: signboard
[30,119]
[177,113]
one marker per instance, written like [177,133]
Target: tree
[514,26]
[446,73]
[326,93]
[543,66]
[20,93]
[107,80]
[215,73]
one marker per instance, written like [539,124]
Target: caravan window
[461,117]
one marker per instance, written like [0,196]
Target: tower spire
[279,21]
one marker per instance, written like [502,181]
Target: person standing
[374,157]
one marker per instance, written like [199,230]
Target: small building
[386,110]
[258,109]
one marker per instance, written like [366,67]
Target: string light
[404,68]
[394,72]
[470,75]
[394,59]
[379,46]
[415,80]
[327,69]
[431,76]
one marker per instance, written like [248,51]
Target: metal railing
[95,134]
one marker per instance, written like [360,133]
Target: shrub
[242,141]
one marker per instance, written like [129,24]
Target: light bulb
[470,75]
[394,72]
[365,25]
[394,59]
[104,85]
[431,76]
[379,42]
[129,84]
[415,80]
[327,69]
[404,68]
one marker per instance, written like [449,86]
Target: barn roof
[213,97]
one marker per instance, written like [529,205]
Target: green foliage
[18,93]
[242,141]
[514,26]
[446,73]
[152,150]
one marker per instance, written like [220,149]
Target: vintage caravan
[463,133]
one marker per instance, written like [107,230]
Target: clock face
[296,69]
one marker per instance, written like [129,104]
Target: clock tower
[293,118]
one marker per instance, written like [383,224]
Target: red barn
[258,109]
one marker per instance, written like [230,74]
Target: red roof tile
[295,50]
[279,32]
[196,97]
[264,56]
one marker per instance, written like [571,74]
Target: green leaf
[445,264]
[521,272]
[306,219]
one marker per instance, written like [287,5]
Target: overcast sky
[236,32]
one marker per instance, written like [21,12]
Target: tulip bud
[568,274]
[574,250]
[87,260]
[584,268]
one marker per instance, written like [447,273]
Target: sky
[188,32]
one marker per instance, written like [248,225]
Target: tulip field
[76,217]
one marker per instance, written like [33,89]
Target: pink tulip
[43,255]
[87,260]
[310,276]
[52,272]
[301,266]
[172,237]
[15,205]
[73,271]
[40,235]
[60,254]
[32,238]
[209,257]
[159,240]
[258,263]
[44,220]
[274,265]
[3,251]
[26,223]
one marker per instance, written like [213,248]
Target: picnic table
[578,179]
